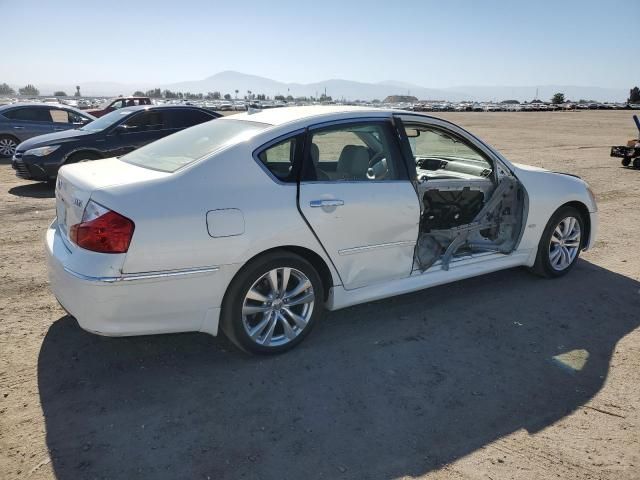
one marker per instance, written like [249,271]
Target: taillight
[102,230]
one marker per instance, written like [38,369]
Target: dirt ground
[505,376]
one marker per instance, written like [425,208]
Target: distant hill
[229,81]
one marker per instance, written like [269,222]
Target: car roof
[137,108]
[130,97]
[283,115]
[11,106]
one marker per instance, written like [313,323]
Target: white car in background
[257,222]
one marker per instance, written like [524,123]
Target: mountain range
[229,81]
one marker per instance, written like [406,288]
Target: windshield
[175,151]
[106,121]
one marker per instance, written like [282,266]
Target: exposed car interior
[353,153]
[467,207]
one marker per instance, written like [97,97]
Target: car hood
[56,138]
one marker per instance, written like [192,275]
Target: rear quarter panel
[170,214]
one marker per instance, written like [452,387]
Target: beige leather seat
[353,163]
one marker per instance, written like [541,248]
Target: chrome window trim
[265,146]
[330,123]
[129,277]
[355,120]
[366,248]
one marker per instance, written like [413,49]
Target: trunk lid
[77,182]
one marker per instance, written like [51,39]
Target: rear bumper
[140,304]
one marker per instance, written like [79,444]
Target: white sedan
[257,222]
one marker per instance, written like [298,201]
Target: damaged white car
[257,222]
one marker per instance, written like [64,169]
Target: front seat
[315,158]
[353,163]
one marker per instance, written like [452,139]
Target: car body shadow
[34,190]
[393,388]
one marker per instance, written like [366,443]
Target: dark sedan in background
[21,121]
[113,135]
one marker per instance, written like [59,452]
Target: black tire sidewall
[231,315]
[543,263]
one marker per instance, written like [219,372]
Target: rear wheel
[560,244]
[272,304]
[8,145]
[625,161]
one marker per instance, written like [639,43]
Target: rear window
[35,114]
[175,151]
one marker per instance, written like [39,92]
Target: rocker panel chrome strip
[142,276]
[351,251]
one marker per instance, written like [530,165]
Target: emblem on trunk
[77,202]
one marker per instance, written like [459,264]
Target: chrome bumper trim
[142,276]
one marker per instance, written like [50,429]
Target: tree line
[171,95]
[30,90]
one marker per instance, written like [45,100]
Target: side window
[146,121]
[59,116]
[435,149]
[356,152]
[77,118]
[278,159]
[117,104]
[187,118]
[29,114]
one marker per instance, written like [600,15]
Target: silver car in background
[21,121]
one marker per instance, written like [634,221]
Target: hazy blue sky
[430,43]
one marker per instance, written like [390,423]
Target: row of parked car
[40,138]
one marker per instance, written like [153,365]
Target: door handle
[18,128]
[58,129]
[325,203]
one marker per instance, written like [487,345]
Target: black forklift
[629,153]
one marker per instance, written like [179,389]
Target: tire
[560,244]
[636,162]
[8,144]
[625,161]
[278,322]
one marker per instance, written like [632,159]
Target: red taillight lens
[108,233]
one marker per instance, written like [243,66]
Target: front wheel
[560,243]
[272,304]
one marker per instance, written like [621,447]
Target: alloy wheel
[278,307]
[7,147]
[565,243]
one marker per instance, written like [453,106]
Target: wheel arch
[93,151]
[586,218]
[312,257]
[10,135]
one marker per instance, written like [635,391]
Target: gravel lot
[455,382]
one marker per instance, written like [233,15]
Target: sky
[435,44]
